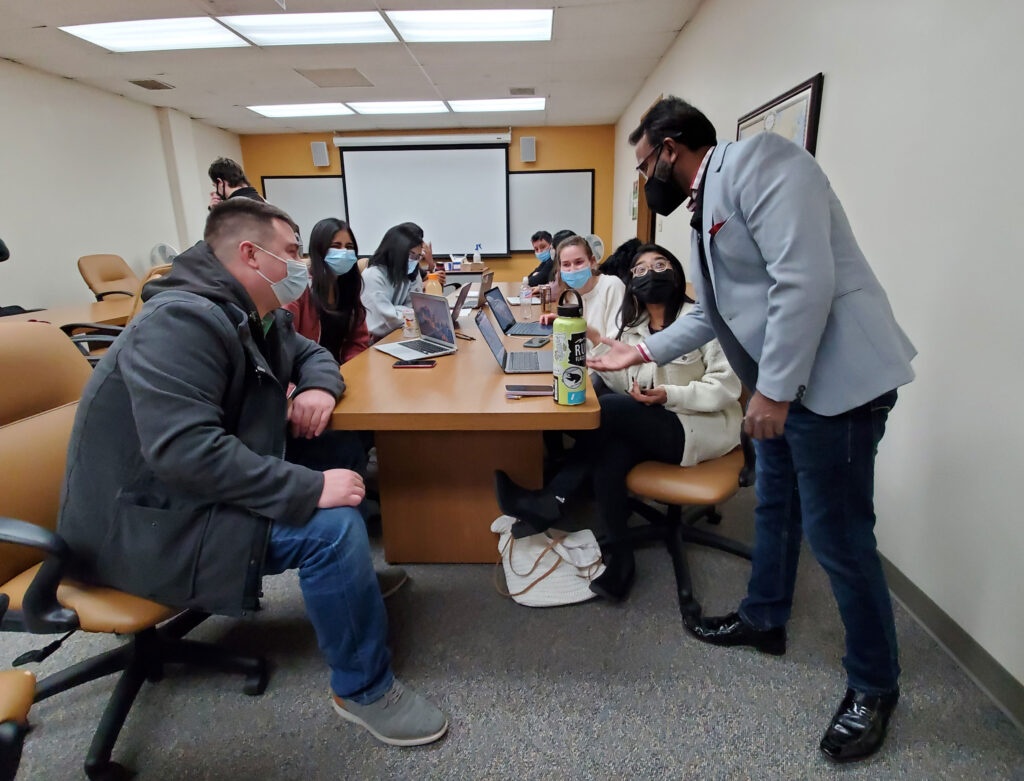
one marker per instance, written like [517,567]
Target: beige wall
[83,171]
[919,136]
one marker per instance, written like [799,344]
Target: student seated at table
[542,249]
[392,275]
[617,264]
[331,311]
[684,412]
[601,293]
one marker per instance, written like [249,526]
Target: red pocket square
[715,228]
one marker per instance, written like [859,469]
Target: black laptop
[507,321]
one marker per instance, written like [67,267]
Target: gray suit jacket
[790,287]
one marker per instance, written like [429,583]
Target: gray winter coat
[175,470]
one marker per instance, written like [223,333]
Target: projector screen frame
[593,195]
[423,147]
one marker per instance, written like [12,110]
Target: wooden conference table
[112,311]
[441,433]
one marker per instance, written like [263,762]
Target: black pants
[630,432]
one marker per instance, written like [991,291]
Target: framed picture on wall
[793,114]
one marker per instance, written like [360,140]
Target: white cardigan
[702,390]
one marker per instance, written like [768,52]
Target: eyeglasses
[642,168]
[657,266]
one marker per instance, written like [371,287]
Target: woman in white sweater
[684,412]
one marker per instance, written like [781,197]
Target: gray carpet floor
[594,691]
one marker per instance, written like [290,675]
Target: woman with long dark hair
[392,275]
[684,412]
[331,312]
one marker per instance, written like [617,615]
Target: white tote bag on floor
[544,570]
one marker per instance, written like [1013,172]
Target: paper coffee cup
[410,328]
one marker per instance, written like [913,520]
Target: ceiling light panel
[399,107]
[303,110]
[150,35]
[498,104]
[309,29]
[516,24]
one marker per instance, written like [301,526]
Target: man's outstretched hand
[620,356]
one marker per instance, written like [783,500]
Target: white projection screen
[459,196]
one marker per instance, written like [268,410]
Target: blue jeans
[342,598]
[818,479]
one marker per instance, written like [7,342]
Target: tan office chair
[17,688]
[93,339]
[37,411]
[362,263]
[699,489]
[108,275]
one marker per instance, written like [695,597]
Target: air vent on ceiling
[336,77]
[151,84]
[522,91]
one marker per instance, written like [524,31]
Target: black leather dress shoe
[733,630]
[858,728]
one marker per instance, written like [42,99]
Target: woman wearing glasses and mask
[392,275]
[684,412]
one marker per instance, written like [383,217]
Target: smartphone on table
[537,341]
[418,363]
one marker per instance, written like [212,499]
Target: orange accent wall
[558,149]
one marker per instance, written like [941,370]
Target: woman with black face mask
[684,412]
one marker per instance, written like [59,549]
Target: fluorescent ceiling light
[516,24]
[149,35]
[400,107]
[305,29]
[498,104]
[303,110]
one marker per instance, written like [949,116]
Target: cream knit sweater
[702,389]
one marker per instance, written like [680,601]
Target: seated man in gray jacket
[176,489]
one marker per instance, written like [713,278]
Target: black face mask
[663,195]
[654,287]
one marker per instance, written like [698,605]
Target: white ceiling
[600,54]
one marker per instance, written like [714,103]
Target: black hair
[618,264]
[633,311]
[230,216]
[674,118]
[393,252]
[227,169]
[336,297]
[541,235]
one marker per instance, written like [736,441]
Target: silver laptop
[519,362]
[476,300]
[460,301]
[437,334]
[507,321]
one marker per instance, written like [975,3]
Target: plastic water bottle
[570,351]
[476,254]
[433,284]
[525,308]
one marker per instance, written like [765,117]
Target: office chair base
[143,659]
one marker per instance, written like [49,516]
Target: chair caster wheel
[256,682]
[714,518]
[110,771]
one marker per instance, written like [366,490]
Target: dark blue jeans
[342,598]
[818,479]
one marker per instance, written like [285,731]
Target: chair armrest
[93,340]
[41,611]
[94,328]
[748,472]
[101,296]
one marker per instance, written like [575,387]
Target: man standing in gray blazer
[783,286]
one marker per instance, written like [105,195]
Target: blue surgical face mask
[294,283]
[340,261]
[414,262]
[543,256]
[576,279]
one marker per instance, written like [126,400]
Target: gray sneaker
[400,718]
[390,579]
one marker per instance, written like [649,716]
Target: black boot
[617,579]
[732,630]
[858,728]
[536,511]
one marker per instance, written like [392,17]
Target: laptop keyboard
[425,347]
[530,329]
[523,361]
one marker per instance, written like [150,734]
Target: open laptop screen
[434,317]
[502,312]
[491,337]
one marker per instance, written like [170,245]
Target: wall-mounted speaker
[320,158]
[528,149]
